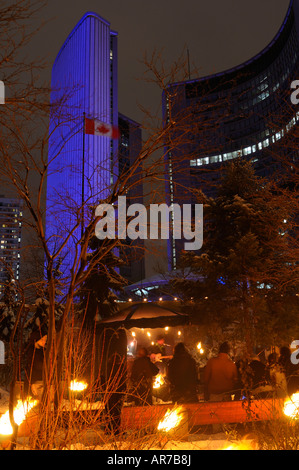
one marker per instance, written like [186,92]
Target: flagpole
[83,172]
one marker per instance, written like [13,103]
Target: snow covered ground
[95,441]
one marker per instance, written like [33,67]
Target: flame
[248,442]
[76,386]
[159,381]
[291,406]
[240,446]
[19,414]
[171,419]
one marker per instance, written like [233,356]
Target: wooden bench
[204,413]
[199,414]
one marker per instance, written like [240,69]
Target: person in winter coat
[115,390]
[142,373]
[35,363]
[182,376]
[158,354]
[277,376]
[220,376]
[290,370]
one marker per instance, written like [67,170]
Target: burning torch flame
[171,419]
[19,414]
[291,406]
[249,442]
[159,381]
[76,386]
[240,446]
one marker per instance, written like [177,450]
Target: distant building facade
[243,112]
[10,240]
[130,142]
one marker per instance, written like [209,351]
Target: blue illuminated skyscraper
[84,80]
[82,167]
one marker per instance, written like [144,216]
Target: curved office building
[242,112]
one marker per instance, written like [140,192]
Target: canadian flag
[96,127]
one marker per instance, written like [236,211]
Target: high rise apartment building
[10,240]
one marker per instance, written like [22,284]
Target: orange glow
[291,406]
[240,446]
[158,381]
[171,419]
[19,413]
[76,386]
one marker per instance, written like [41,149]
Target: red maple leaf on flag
[102,129]
[95,127]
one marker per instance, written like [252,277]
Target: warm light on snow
[76,386]
[171,419]
[20,412]
[291,406]
[240,446]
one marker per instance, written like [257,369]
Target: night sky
[218,33]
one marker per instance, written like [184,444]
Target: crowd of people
[222,379]
[178,370]
[275,376]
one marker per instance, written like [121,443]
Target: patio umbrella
[145,315]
